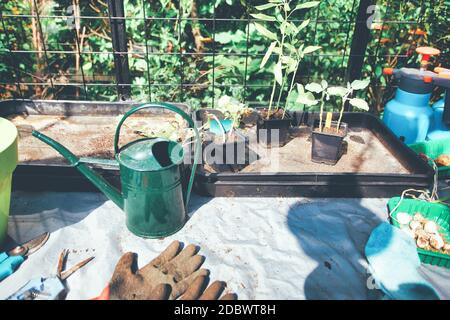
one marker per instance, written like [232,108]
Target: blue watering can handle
[171,107]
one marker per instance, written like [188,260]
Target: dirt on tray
[365,153]
[85,136]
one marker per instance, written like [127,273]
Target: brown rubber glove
[199,290]
[167,276]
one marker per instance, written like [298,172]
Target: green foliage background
[163,53]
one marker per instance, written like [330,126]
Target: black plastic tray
[316,184]
[62,177]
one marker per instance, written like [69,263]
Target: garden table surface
[264,248]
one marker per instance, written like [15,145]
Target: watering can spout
[111,192]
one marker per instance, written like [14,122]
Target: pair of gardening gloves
[174,274]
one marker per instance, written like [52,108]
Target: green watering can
[151,178]
[8,162]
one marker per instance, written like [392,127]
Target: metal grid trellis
[189,73]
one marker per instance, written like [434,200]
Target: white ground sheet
[264,248]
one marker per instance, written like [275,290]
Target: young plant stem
[275,81]
[271,98]
[279,96]
[344,99]
[291,86]
[321,111]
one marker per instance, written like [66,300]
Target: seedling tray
[436,212]
[85,128]
[385,171]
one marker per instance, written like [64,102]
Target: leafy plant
[231,108]
[325,91]
[285,43]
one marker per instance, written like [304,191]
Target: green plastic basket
[436,212]
[434,149]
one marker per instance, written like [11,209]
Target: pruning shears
[50,287]
[11,260]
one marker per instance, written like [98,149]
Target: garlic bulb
[431,227]
[403,218]
[421,242]
[418,217]
[415,225]
[420,233]
[436,241]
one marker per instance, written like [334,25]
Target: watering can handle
[171,107]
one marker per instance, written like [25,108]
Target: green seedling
[326,92]
[286,43]
[232,109]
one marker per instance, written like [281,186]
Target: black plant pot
[228,153]
[327,148]
[267,131]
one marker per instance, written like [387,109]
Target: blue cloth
[394,262]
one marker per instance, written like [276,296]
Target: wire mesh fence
[195,51]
